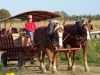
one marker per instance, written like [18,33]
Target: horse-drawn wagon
[12,50]
[62,36]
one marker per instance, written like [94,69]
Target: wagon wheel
[21,60]
[4,59]
[1,64]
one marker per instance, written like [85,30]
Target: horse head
[57,33]
[84,27]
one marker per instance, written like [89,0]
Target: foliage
[93,53]
[4,13]
[65,16]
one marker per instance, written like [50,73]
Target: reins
[66,37]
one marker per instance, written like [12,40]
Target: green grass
[93,53]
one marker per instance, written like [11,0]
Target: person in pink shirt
[30,27]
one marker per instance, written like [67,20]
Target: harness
[74,36]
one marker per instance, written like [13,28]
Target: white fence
[95,34]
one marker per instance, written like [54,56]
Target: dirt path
[62,70]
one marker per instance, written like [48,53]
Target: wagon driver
[30,27]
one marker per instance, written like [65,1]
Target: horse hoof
[87,70]
[48,67]
[43,70]
[69,68]
[54,71]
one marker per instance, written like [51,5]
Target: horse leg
[74,59]
[41,59]
[68,55]
[55,56]
[85,57]
[49,54]
[58,59]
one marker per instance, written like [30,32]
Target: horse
[45,46]
[76,35]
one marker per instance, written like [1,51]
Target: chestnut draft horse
[75,36]
[46,46]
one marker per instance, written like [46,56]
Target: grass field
[18,25]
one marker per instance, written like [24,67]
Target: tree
[65,16]
[4,13]
[58,12]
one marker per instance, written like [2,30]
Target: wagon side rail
[7,45]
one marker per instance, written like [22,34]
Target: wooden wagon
[7,45]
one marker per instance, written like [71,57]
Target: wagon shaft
[66,49]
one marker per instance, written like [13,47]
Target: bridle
[57,33]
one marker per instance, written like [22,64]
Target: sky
[71,7]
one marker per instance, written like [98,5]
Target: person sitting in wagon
[30,28]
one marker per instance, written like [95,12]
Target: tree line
[65,16]
[4,13]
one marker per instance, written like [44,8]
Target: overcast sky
[71,7]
